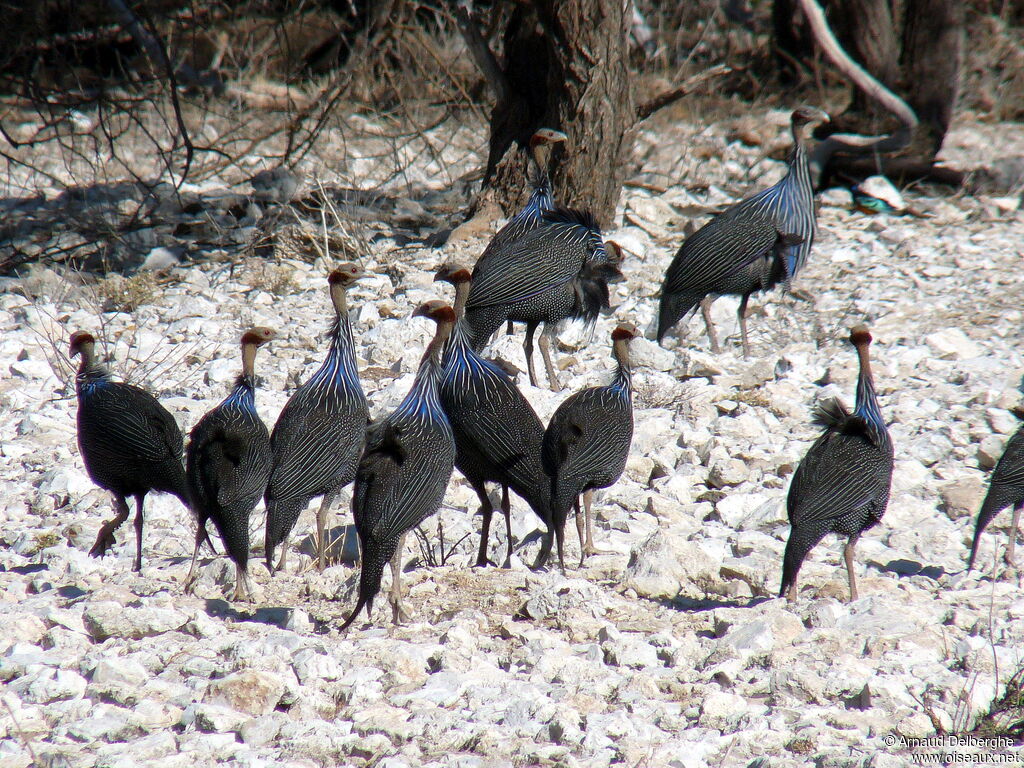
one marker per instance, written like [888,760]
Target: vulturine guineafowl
[553,273]
[130,444]
[498,436]
[404,471]
[319,435]
[752,246]
[842,484]
[228,465]
[1005,489]
[587,442]
[541,198]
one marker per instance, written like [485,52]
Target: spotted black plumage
[842,484]
[752,246]
[555,272]
[497,434]
[1005,489]
[130,444]
[228,465]
[403,472]
[587,442]
[319,435]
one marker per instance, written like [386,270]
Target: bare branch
[856,73]
[146,40]
[673,95]
[482,55]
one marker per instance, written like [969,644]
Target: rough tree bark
[564,66]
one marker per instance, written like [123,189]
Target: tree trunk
[794,45]
[867,30]
[921,64]
[933,45]
[566,68]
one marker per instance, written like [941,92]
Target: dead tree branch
[673,95]
[481,52]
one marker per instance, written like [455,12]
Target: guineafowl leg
[105,538]
[190,580]
[1008,555]
[487,510]
[545,351]
[800,542]
[705,310]
[741,313]
[580,525]
[321,530]
[242,590]
[397,615]
[545,550]
[139,499]
[560,543]
[509,329]
[528,348]
[848,556]
[506,509]
[284,555]
[589,548]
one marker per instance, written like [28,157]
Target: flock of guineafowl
[546,265]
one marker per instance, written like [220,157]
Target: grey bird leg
[190,580]
[242,590]
[580,524]
[848,556]
[589,548]
[487,510]
[705,310]
[741,313]
[545,351]
[1008,554]
[321,530]
[545,550]
[506,509]
[528,348]
[137,566]
[105,538]
[509,329]
[284,554]
[398,615]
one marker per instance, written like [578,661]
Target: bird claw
[104,540]
[399,615]
[484,562]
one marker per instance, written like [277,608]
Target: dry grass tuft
[118,293]
[278,279]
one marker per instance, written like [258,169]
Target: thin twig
[673,95]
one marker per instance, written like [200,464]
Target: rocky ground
[670,650]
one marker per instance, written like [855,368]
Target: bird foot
[399,616]
[105,539]
[483,562]
[243,592]
[590,549]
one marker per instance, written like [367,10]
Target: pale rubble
[669,648]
